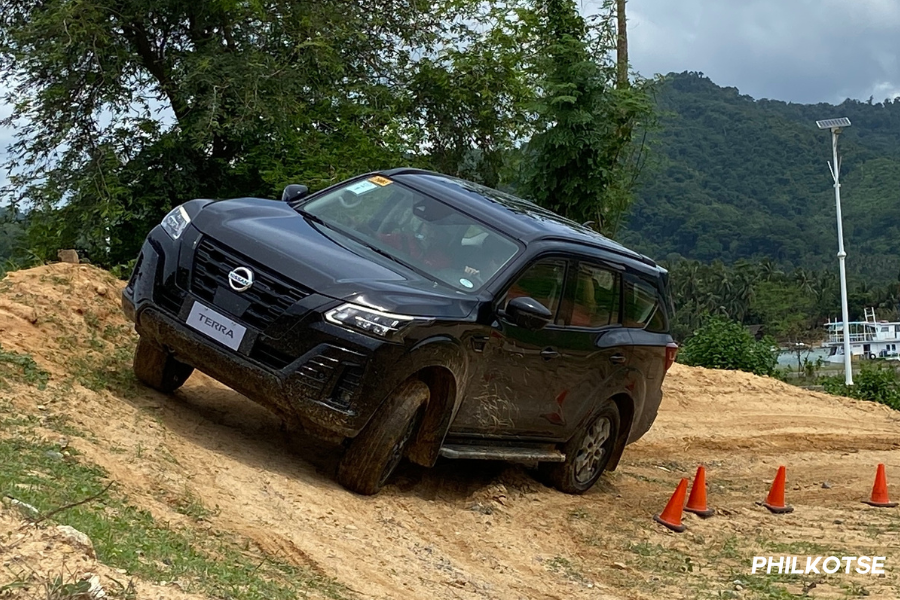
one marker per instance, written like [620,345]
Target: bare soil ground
[467,529]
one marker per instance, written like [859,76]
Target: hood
[325,261]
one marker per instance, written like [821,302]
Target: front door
[518,374]
[543,384]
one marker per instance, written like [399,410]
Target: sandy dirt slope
[478,530]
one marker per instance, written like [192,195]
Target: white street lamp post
[836,126]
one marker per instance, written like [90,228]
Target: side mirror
[294,192]
[528,313]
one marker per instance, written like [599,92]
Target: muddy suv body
[412,314]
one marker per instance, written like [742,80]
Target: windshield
[417,230]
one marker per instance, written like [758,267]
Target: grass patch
[61,423]
[109,370]
[21,368]
[661,559]
[191,506]
[769,587]
[563,566]
[91,319]
[129,538]
[56,280]
[796,548]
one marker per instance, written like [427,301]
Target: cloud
[802,51]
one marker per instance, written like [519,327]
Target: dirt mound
[470,529]
[721,410]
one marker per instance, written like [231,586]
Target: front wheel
[374,454]
[156,367]
[587,454]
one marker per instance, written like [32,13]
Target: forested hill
[732,177]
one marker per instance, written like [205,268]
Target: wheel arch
[442,403]
[441,363]
[625,404]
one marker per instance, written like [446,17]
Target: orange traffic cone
[879,491]
[775,500]
[697,500]
[671,515]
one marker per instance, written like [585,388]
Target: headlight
[175,222]
[369,320]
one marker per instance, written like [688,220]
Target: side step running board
[502,453]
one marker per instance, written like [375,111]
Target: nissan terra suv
[408,313]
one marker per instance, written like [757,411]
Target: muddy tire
[157,368]
[374,454]
[587,454]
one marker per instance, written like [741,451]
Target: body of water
[786,359]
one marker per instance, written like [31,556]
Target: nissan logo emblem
[240,279]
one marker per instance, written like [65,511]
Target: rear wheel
[374,454]
[156,367]
[587,454]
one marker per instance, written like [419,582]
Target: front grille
[269,296]
[169,299]
[269,356]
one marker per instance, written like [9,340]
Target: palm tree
[769,270]
[805,280]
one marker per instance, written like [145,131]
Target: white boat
[868,339]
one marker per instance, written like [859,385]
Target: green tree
[131,107]
[11,233]
[786,309]
[875,383]
[470,103]
[582,162]
[737,178]
[724,344]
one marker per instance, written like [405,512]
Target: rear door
[596,346]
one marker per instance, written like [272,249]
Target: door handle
[548,353]
[618,359]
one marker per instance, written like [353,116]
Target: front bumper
[304,369]
[291,394]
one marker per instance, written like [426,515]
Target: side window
[642,309]
[542,281]
[596,297]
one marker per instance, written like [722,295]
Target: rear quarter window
[643,309]
[596,301]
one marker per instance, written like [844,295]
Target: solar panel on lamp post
[836,126]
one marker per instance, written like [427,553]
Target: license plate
[217,326]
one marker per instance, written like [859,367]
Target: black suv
[413,314]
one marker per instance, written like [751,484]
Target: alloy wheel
[593,449]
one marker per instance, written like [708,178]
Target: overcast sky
[804,51]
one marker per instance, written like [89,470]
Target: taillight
[671,353]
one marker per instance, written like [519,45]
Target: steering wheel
[350,200]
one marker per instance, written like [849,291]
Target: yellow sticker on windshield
[378,179]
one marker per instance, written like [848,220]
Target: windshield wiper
[311,217]
[377,250]
[350,236]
